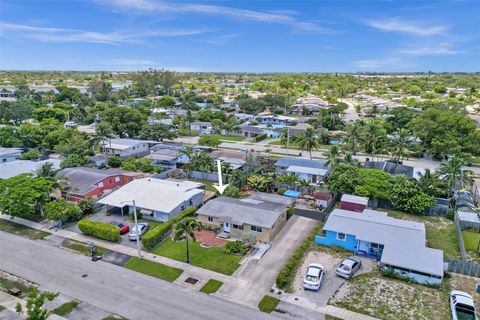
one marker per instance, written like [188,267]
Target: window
[100,184]
[341,236]
[236,226]
[210,219]
[376,246]
[117,179]
[182,207]
[110,181]
[256,229]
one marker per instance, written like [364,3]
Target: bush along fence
[439,209]
[260,137]
[162,231]
[464,267]
[286,276]
[99,230]
[210,176]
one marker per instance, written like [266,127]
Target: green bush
[290,212]
[281,191]
[160,232]
[260,137]
[114,162]
[30,155]
[286,276]
[99,230]
[232,192]
[235,247]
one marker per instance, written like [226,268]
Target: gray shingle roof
[301,162]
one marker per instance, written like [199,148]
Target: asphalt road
[112,288]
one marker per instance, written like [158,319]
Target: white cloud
[280,17]
[129,62]
[383,64]
[405,26]
[75,35]
[441,49]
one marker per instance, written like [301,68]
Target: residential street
[118,290]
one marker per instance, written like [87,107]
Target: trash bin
[478,287]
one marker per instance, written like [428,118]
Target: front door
[226,227]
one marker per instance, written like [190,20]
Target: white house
[156,199]
[16,167]
[313,171]
[9,154]
[125,148]
[201,127]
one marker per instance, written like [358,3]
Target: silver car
[462,306]
[348,267]
[313,278]
[142,228]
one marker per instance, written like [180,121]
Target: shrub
[281,191]
[62,210]
[232,192]
[286,276]
[99,230]
[235,247]
[290,212]
[30,155]
[260,137]
[160,232]
[86,205]
[129,165]
[73,160]
[114,162]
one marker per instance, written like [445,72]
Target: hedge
[286,276]
[160,232]
[260,137]
[99,230]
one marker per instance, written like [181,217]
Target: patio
[209,239]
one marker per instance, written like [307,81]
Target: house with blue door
[397,244]
[313,171]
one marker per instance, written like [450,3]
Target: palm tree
[237,178]
[332,156]
[289,178]
[103,131]
[303,183]
[185,229]
[47,171]
[353,137]
[431,184]
[400,143]
[261,182]
[189,101]
[452,170]
[308,141]
[373,137]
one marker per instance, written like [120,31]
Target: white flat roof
[307,170]
[421,259]
[153,194]
[354,199]
[16,167]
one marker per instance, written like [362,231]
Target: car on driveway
[462,306]
[124,228]
[314,276]
[348,267]
[142,228]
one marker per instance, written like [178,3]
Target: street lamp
[136,227]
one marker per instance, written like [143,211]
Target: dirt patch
[390,299]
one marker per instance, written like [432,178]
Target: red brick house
[82,182]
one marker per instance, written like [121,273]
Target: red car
[124,228]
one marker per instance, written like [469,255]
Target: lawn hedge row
[160,232]
[260,137]
[286,276]
[99,230]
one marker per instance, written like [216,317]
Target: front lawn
[21,230]
[211,286]
[208,184]
[153,269]
[208,258]
[471,240]
[82,248]
[231,138]
[8,282]
[268,304]
[440,232]
[65,308]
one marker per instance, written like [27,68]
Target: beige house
[261,214]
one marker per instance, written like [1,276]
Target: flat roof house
[156,199]
[167,156]
[202,127]
[397,244]
[93,183]
[125,148]
[353,203]
[16,167]
[311,170]
[261,214]
[9,154]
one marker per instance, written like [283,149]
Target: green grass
[153,269]
[440,232]
[208,184]
[114,317]
[21,230]
[208,258]
[2,308]
[232,138]
[268,304]
[471,240]
[7,284]
[65,308]
[329,317]
[211,286]
[82,248]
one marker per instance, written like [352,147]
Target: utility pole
[136,230]
[288,139]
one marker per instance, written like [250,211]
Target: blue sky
[259,36]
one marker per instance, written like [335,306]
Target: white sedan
[462,306]
[314,277]
[142,228]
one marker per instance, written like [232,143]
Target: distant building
[313,171]
[202,127]
[9,154]
[250,131]
[125,148]
[167,156]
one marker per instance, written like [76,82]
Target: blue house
[397,244]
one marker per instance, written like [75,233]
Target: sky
[240,36]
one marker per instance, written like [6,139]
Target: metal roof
[354,199]
[301,162]
[307,170]
[16,167]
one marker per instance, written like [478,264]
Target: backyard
[213,258]
[471,240]
[440,232]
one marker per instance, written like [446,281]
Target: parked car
[314,276]
[462,306]
[124,228]
[348,267]
[142,228]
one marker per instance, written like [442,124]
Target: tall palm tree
[452,170]
[47,171]
[431,183]
[400,143]
[352,139]
[332,156]
[308,141]
[289,178]
[103,131]
[186,229]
